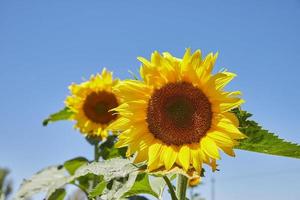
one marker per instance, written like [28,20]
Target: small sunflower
[193,182]
[91,102]
[178,114]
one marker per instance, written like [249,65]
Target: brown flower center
[179,113]
[97,105]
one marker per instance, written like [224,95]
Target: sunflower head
[178,114]
[91,102]
[193,182]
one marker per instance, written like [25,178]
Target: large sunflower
[91,102]
[178,115]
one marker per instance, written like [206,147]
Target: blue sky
[46,45]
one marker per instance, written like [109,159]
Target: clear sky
[46,45]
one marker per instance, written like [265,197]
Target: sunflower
[178,114]
[193,182]
[91,102]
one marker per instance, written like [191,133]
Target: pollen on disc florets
[179,113]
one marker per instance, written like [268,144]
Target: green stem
[96,152]
[171,189]
[181,187]
[96,159]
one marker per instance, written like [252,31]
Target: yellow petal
[232,118]
[124,140]
[210,148]
[187,56]
[134,110]
[220,80]
[154,166]
[228,150]
[230,104]
[194,181]
[120,124]
[221,138]
[152,76]
[141,156]
[224,124]
[204,72]
[197,162]
[154,152]
[131,90]
[196,59]
[170,156]
[213,165]
[145,140]
[106,75]
[145,61]
[156,58]
[188,68]
[184,157]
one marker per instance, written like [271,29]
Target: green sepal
[134,76]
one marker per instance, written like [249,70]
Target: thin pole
[192,193]
[213,188]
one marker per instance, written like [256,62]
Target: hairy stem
[96,159]
[171,189]
[181,186]
[96,152]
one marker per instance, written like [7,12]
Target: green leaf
[63,114]
[86,181]
[146,184]
[5,186]
[108,151]
[110,169]
[55,177]
[3,175]
[158,184]
[137,198]
[72,165]
[141,186]
[120,186]
[97,191]
[119,173]
[59,194]
[261,140]
[48,180]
